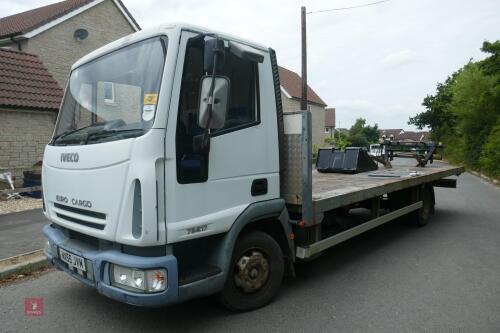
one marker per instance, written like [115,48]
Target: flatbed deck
[334,190]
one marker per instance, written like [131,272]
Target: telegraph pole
[303,100]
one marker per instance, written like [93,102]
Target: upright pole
[303,100]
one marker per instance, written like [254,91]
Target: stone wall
[318,118]
[59,50]
[23,136]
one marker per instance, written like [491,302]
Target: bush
[490,155]
[340,141]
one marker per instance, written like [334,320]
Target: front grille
[85,223]
[81,211]
[80,216]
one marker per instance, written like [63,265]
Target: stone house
[37,50]
[291,90]
[29,100]
[63,32]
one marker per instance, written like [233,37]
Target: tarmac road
[397,278]
[21,232]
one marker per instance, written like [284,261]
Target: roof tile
[25,82]
[29,20]
[292,83]
[34,18]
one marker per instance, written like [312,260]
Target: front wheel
[255,274]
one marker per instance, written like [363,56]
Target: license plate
[72,260]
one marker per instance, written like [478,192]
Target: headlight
[138,280]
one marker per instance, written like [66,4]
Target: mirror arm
[206,134]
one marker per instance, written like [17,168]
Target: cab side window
[243,107]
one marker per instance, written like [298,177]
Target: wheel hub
[251,271]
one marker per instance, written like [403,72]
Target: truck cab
[164,158]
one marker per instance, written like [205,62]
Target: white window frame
[112,99]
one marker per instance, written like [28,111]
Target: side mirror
[219,105]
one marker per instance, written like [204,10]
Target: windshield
[113,97]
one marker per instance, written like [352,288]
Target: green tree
[437,116]
[339,140]
[490,155]
[491,65]
[359,140]
[465,113]
[361,135]
[476,106]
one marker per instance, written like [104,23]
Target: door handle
[259,187]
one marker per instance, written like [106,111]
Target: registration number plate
[72,260]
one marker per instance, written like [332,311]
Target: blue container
[30,183]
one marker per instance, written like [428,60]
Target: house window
[109,92]
[327,129]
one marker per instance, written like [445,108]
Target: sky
[377,62]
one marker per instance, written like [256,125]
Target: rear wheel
[255,274]
[421,217]
[408,196]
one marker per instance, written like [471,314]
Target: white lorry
[173,173]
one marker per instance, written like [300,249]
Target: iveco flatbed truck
[173,173]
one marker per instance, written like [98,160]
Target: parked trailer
[173,173]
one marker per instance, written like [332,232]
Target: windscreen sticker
[150,99]
[148,112]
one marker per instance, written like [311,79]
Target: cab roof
[172,30]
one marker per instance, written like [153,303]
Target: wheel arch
[268,216]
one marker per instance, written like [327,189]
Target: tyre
[255,273]
[406,197]
[421,216]
[433,199]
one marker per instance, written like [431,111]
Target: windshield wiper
[111,133]
[65,134]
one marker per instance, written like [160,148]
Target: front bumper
[98,269]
